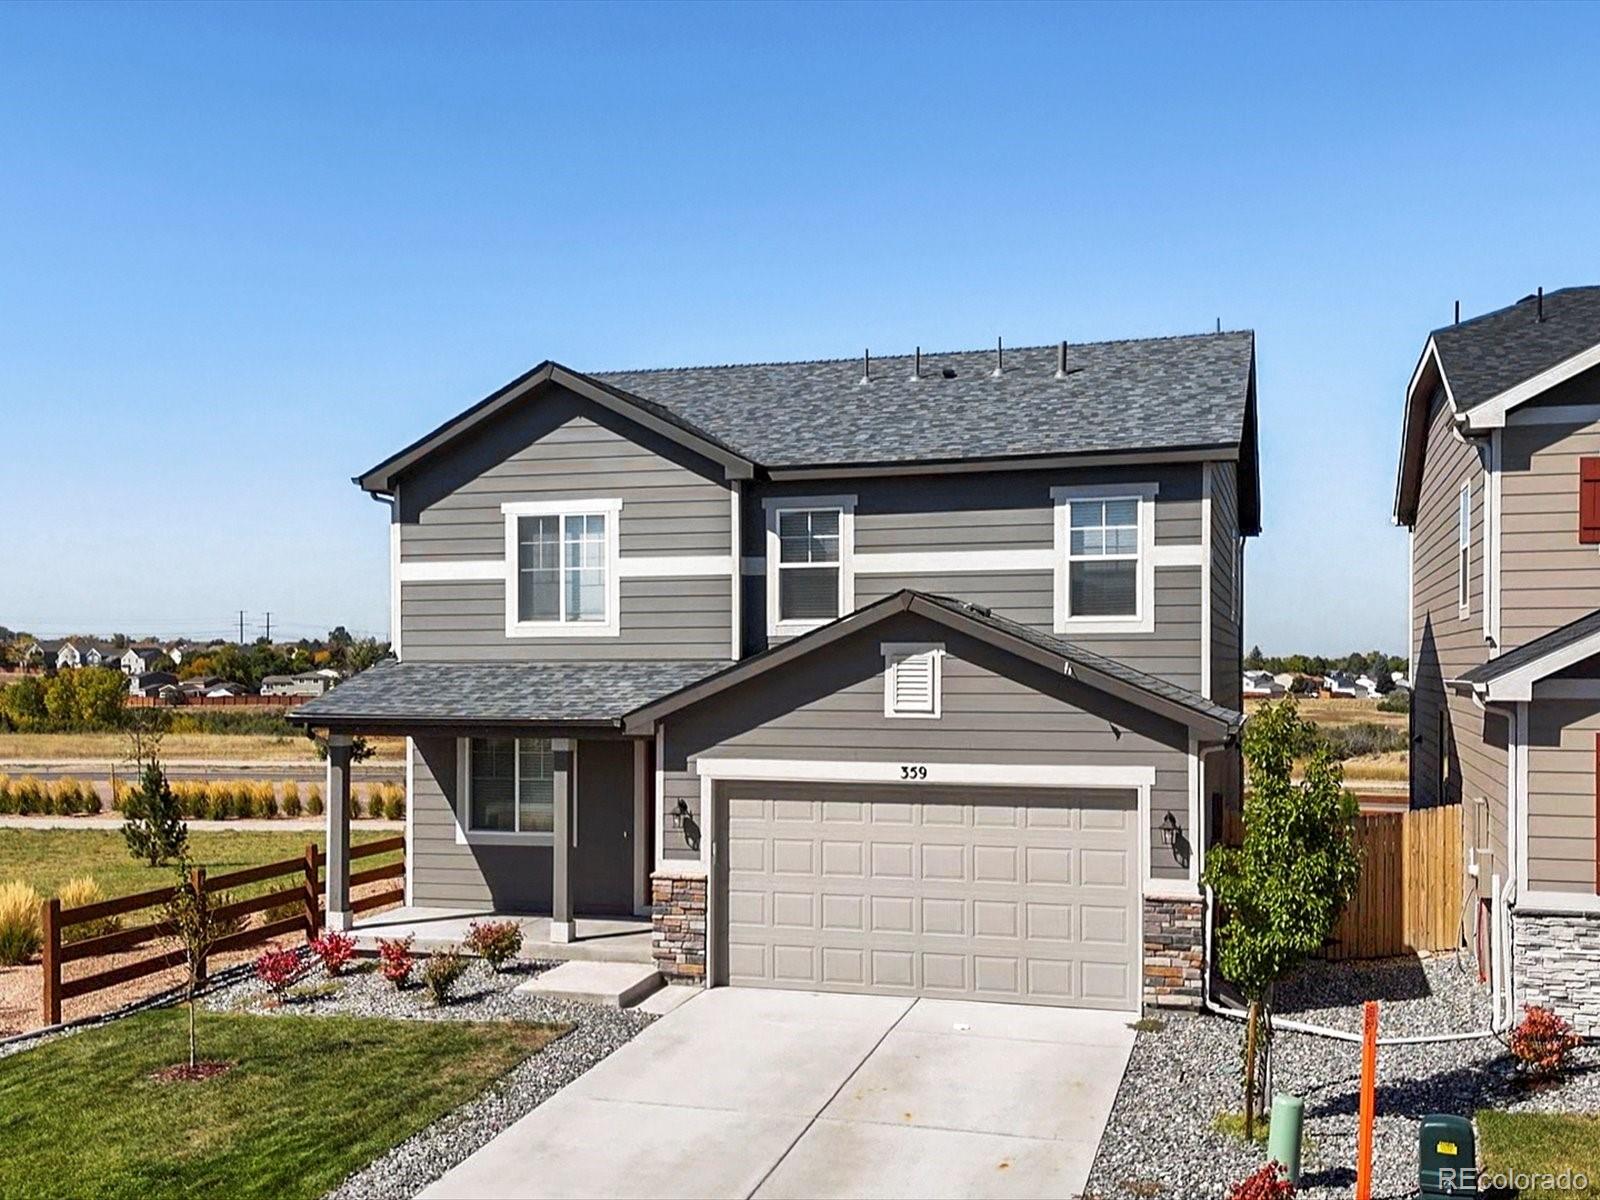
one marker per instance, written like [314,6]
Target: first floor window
[808,564]
[510,785]
[1103,557]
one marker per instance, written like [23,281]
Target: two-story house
[915,675]
[1499,484]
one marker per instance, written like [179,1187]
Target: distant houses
[1260,685]
[305,683]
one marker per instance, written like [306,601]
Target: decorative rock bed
[1161,1140]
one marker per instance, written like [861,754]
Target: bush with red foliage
[279,969]
[1542,1041]
[1266,1184]
[496,942]
[334,949]
[395,961]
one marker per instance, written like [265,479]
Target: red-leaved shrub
[1266,1184]
[278,969]
[1542,1041]
[334,949]
[496,942]
[394,960]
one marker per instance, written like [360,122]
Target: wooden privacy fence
[304,894]
[1409,898]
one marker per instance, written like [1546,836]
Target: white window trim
[465,834]
[893,653]
[1464,551]
[1143,619]
[773,506]
[611,509]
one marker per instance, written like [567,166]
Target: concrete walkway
[742,1093]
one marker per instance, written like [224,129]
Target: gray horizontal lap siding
[1561,795]
[562,447]
[830,707]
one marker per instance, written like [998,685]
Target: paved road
[745,1092]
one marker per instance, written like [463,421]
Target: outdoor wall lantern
[1169,830]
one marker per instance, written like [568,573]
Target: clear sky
[246,252]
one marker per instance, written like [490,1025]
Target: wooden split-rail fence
[304,894]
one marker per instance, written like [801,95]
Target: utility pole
[269,629]
[241,627]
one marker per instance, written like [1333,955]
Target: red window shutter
[1589,501]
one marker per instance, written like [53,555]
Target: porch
[594,939]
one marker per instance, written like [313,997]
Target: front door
[602,830]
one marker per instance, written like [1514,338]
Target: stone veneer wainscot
[1557,965]
[678,926]
[1174,954]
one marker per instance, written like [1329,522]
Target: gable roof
[1104,674]
[1512,675]
[1192,395]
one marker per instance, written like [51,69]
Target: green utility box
[1447,1157]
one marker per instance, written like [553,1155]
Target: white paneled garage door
[984,894]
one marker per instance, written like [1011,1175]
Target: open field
[307,1101]
[1332,713]
[177,747]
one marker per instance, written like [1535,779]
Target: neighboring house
[68,654]
[917,676]
[1258,684]
[1341,685]
[1499,483]
[99,654]
[154,683]
[226,688]
[1285,679]
[138,660]
[306,683]
[1367,686]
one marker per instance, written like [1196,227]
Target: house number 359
[909,772]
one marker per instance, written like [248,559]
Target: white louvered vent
[911,680]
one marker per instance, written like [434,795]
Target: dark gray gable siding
[996,709]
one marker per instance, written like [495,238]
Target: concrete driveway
[746,1092]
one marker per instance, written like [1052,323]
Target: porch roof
[400,695]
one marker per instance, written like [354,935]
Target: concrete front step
[615,984]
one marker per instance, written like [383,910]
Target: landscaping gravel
[481,996]
[1161,1139]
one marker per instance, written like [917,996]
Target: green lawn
[47,858]
[310,1100]
[1541,1144]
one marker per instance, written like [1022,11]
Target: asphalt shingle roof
[1488,354]
[1532,652]
[1150,393]
[427,692]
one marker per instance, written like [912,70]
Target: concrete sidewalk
[747,1092]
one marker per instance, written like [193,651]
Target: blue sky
[246,252]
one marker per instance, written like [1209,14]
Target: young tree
[153,826]
[194,923]
[1280,894]
[99,698]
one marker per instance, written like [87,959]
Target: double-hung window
[809,562]
[561,568]
[1105,575]
[509,786]
[1464,551]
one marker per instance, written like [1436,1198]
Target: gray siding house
[1499,483]
[916,675]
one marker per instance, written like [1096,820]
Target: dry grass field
[1386,772]
[176,747]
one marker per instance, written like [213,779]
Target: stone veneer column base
[1174,956]
[1557,965]
[678,925]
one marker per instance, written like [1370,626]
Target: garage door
[993,894]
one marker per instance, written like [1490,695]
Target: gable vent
[911,680]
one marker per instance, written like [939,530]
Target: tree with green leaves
[1279,895]
[193,921]
[1255,660]
[152,824]
[23,703]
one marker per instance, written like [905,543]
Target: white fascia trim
[1206,579]
[674,566]
[612,626]
[488,570]
[411,821]
[794,770]
[1494,486]
[394,582]
[1183,554]
[892,651]
[951,562]
[1144,618]
[1518,684]
[463,804]
[772,506]
[1558,904]
[1492,413]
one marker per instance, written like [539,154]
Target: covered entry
[982,893]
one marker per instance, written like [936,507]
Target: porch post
[338,812]
[561,851]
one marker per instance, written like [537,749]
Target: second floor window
[1464,550]
[1103,558]
[561,569]
[808,564]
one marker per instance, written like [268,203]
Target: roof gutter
[1221,452]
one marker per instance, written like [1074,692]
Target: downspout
[1209,899]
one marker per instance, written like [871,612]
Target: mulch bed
[184,1073]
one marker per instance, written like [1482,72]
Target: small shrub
[395,806]
[496,942]
[334,949]
[8,801]
[263,799]
[314,800]
[291,799]
[1541,1043]
[1362,738]
[279,969]
[1266,1184]
[19,923]
[92,803]
[355,804]
[30,796]
[395,961]
[119,789]
[441,974]
[1397,701]
[67,796]
[76,893]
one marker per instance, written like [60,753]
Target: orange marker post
[1369,1100]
